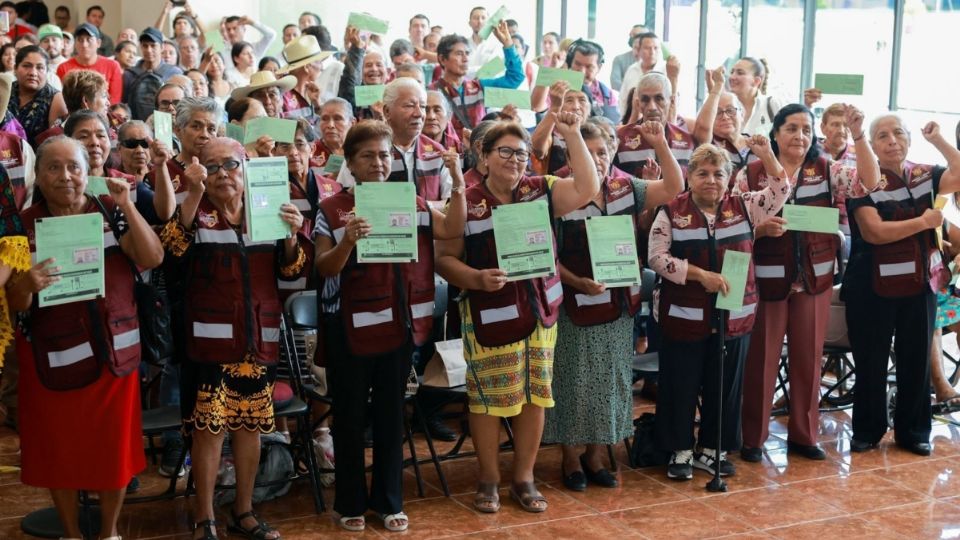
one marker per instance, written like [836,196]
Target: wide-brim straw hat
[302,51]
[264,79]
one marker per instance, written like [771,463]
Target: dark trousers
[692,369]
[354,379]
[872,322]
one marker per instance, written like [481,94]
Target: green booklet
[280,130]
[501,97]
[96,186]
[817,219]
[76,242]
[840,84]
[547,76]
[492,22]
[369,23]
[235,132]
[265,189]
[492,69]
[613,250]
[333,165]
[524,239]
[736,265]
[390,209]
[367,94]
[163,128]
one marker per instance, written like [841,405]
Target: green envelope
[613,250]
[501,97]
[333,165]
[493,21]
[163,128]
[736,265]
[235,132]
[367,94]
[524,239]
[841,84]
[547,76]
[492,69]
[815,219]
[365,21]
[391,210]
[76,242]
[266,189]
[280,130]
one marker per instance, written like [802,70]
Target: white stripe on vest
[727,232]
[824,268]
[212,330]
[423,219]
[745,311]
[620,204]
[302,205]
[898,269]
[271,335]
[70,356]
[808,191]
[592,300]
[583,213]
[295,285]
[684,235]
[554,292]
[216,236]
[887,196]
[495,315]
[126,339]
[764,271]
[632,156]
[479,226]
[424,309]
[370,318]
[688,313]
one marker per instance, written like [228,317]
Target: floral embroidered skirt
[948,307]
[227,396]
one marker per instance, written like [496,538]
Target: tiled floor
[885,493]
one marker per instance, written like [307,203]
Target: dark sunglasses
[133,143]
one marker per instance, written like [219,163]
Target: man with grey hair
[189,49]
[195,124]
[335,119]
[416,157]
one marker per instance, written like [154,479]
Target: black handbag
[153,310]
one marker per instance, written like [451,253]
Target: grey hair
[443,101]
[188,106]
[344,104]
[656,79]
[875,124]
[392,92]
[77,145]
[127,126]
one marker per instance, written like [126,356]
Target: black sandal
[260,531]
[207,525]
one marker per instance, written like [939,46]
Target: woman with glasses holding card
[232,326]
[795,272]
[593,367]
[374,315]
[79,384]
[509,327]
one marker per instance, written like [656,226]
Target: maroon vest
[176,176]
[11,157]
[472,178]
[469,106]
[428,160]
[633,151]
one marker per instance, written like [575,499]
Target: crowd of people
[553,354]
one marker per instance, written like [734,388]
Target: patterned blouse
[35,115]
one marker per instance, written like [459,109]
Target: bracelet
[459,189]
[855,139]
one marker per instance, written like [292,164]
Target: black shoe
[603,477]
[813,452]
[575,481]
[705,460]
[751,455]
[681,465]
[170,463]
[918,448]
[438,430]
[133,486]
[861,446]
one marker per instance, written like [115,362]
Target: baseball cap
[49,30]
[87,28]
[151,34]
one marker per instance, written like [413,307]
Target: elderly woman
[888,287]
[336,117]
[139,154]
[547,145]
[748,81]
[684,237]
[728,135]
[361,68]
[593,369]
[510,354]
[195,124]
[36,104]
[232,326]
[437,124]
[85,89]
[794,273]
[84,428]
[369,354]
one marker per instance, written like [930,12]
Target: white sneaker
[680,466]
[705,459]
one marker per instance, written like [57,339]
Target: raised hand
[264,146]
[673,68]
[503,34]
[351,38]
[854,119]
[557,91]
[760,146]
[196,176]
[119,190]
[159,153]
[652,133]
[811,96]
[451,160]
[718,77]
[568,124]
[650,170]
[931,131]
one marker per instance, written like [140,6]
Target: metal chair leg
[413,456]
[418,412]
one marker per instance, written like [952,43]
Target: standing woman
[593,370]
[795,281]
[232,327]
[687,244]
[376,313]
[84,428]
[36,104]
[748,81]
[509,328]
[244,62]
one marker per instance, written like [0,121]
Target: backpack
[276,465]
[643,451]
[142,95]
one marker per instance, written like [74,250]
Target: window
[775,33]
[682,38]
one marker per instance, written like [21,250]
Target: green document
[264,191]
[76,242]
[163,128]
[491,69]
[736,264]
[613,250]
[428,74]
[97,186]
[524,240]
[839,84]
[815,219]
[280,130]
[367,94]
[235,132]
[334,164]
[390,209]
[547,76]
[501,97]
[493,21]
[365,21]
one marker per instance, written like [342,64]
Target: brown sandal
[527,495]
[487,499]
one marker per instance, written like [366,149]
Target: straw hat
[6,83]
[302,51]
[264,79]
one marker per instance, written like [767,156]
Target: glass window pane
[723,33]
[613,31]
[929,76]
[682,38]
[775,32]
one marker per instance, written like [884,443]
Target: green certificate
[265,189]
[163,128]
[279,129]
[839,84]
[366,95]
[493,21]
[524,239]
[491,69]
[736,264]
[365,21]
[391,210]
[815,219]
[547,76]
[613,250]
[235,132]
[96,186]
[334,164]
[76,242]
[501,97]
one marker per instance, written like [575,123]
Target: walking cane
[716,484]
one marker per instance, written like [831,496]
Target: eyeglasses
[506,153]
[730,112]
[228,165]
[167,103]
[133,143]
[302,146]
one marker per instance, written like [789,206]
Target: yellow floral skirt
[234,396]
[501,380]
